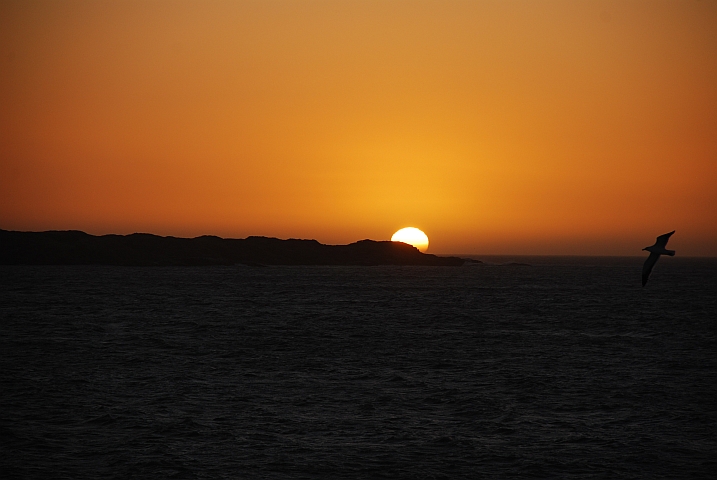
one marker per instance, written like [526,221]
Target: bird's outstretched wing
[649,263]
[662,239]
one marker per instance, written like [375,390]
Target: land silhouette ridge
[74,247]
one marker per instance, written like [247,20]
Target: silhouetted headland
[141,249]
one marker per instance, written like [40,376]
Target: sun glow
[412,236]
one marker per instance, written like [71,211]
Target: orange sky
[502,127]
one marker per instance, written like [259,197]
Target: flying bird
[655,251]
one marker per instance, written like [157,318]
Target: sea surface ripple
[564,369]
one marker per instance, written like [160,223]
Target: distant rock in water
[78,248]
[470,262]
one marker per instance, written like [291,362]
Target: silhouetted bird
[655,251]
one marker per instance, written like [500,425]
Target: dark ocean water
[565,369]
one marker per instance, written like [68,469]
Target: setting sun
[411,236]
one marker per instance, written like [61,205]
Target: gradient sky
[505,127]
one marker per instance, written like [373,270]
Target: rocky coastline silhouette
[72,247]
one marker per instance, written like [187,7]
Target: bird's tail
[670,252]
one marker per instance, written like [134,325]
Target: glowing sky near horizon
[554,127]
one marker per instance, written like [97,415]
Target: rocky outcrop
[79,248]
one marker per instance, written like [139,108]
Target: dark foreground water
[566,369]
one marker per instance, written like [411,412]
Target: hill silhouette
[73,247]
